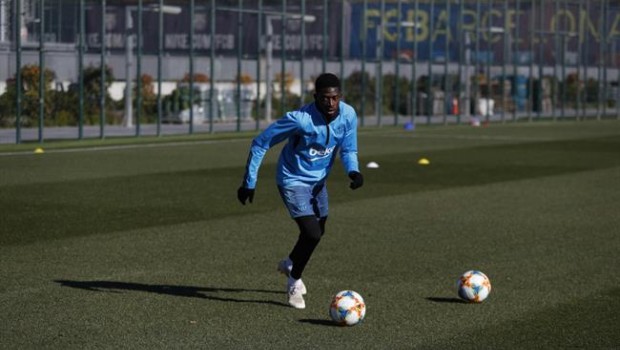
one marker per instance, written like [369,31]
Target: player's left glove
[244,193]
[357,180]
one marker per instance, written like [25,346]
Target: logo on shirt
[320,154]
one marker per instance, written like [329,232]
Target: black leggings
[311,229]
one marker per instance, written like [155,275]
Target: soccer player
[315,133]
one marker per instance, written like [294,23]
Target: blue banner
[570,34]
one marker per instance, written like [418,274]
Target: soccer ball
[474,286]
[347,308]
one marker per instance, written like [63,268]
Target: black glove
[244,193]
[357,180]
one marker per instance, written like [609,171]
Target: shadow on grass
[320,322]
[209,293]
[446,300]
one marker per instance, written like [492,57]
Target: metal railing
[235,65]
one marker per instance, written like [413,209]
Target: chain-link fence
[150,67]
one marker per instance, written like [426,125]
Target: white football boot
[295,297]
[285,266]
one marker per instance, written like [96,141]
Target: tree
[354,92]
[148,107]
[198,78]
[389,93]
[91,79]
[30,76]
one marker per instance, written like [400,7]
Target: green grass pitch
[145,245]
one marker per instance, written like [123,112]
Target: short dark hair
[326,80]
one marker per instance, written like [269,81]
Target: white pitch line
[122,147]
[463,137]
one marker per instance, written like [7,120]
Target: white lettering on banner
[293,42]
[171,41]
[115,40]
[180,41]
[225,41]
[112,40]
[176,41]
[314,42]
[93,40]
[200,42]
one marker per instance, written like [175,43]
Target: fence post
[397,65]
[239,53]
[259,30]
[18,73]
[212,68]
[41,68]
[139,69]
[191,67]
[102,75]
[81,72]
[364,43]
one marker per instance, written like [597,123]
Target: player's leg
[298,201]
[311,228]
[309,237]
[321,207]
[322,222]
[285,265]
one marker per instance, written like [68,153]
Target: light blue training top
[309,155]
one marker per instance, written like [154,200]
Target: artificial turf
[146,247]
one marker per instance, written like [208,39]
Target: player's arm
[348,154]
[274,134]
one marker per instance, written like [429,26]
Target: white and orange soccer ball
[474,286]
[347,308]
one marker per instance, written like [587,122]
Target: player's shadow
[319,322]
[446,300]
[233,295]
